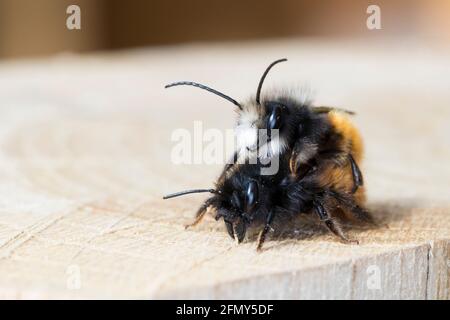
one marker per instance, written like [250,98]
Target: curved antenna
[201,86]
[258,92]
[182,193]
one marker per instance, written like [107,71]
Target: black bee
[243,197]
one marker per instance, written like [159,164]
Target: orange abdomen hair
[351,139]
[339,176]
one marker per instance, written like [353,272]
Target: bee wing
[325,109]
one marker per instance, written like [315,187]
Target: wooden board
[86,157]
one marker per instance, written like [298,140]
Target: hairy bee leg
[307,168]
[293,163]
[200,214]
[240,228]
[357,175]
[330,223]
[228,166]
[362,214]
[263,233]
[197,220]
[357,212]
[230,229]
[302,157]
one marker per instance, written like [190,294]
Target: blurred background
[87,146]
[38,27]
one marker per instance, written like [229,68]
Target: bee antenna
[182,193]
[258,92]
[201,86]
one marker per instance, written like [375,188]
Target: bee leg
[352,208]
[361,214]
[228,166]
[357,175]
[297,160]
[240,228]
[263,233]
[302,156]
[293,166]
[330,223]
[200,214]
[294,160]
[229,227]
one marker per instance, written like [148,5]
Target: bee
[320,150]
[313,135]
[243,197]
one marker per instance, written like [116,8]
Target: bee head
[245,201]
[240,205]
[262,126]
[247,197]
[266,123]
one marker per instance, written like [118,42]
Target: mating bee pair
[318,150]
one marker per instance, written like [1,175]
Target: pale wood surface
[85,158]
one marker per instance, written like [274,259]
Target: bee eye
[251,195]
[274,119]
[235,201]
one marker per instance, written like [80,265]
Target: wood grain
[86,157]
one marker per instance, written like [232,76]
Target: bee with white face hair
[306,131]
